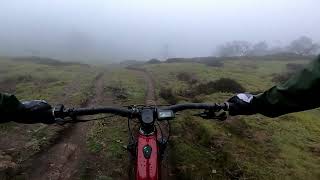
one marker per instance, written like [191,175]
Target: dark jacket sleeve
[9,105]
[301,92]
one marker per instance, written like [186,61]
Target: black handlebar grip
[227,106]
[44,116]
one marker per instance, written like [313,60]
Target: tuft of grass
[187,77]
[132,85]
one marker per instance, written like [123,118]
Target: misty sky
[142,29]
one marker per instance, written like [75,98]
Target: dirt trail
[150,98]
[63,159]
[150,93]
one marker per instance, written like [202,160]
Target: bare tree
[259,49]
[303,46]
[234,48]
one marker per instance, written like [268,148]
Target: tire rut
[150,92]
[62,160]
[150,95]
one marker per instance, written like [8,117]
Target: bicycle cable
[86,120]
[160,130]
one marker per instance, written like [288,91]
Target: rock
[5,165]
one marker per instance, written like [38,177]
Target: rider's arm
[11,109]
[9,104]
[299,93]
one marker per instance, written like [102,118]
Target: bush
[292,67]
[168,95]
[281,78]
[213,63]
[119,92]
[8,86]
[153,61]
[188,93]
[220,85]
[198,99]
[187,77]
[47,61]
[177,60]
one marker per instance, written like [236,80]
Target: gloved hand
[241,104]
[35,111]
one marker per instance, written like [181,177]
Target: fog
[110,30]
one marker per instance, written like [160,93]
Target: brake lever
[60,121]
[221,115]
[67,120]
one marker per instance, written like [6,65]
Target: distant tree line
[303,46]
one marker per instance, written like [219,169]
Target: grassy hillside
[243,147]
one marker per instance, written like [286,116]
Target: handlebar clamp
[59,112]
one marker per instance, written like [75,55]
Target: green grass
[108,137]
[132,82]
[47,82]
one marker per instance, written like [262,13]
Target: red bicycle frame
[147,165]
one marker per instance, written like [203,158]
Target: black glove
[242,104]
[35,111]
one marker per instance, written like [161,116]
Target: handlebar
[61,112]
[92,111]
[204,106]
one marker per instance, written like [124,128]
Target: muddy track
[62,160]
[150,92]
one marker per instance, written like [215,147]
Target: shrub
[153,61]
[176,60]
[47,61]
[168,95]
[187,77]
[198,99]
[220,85]
[213,63]
[281,78]
[293,67]
[189,93]
[7,86]
[119,92]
